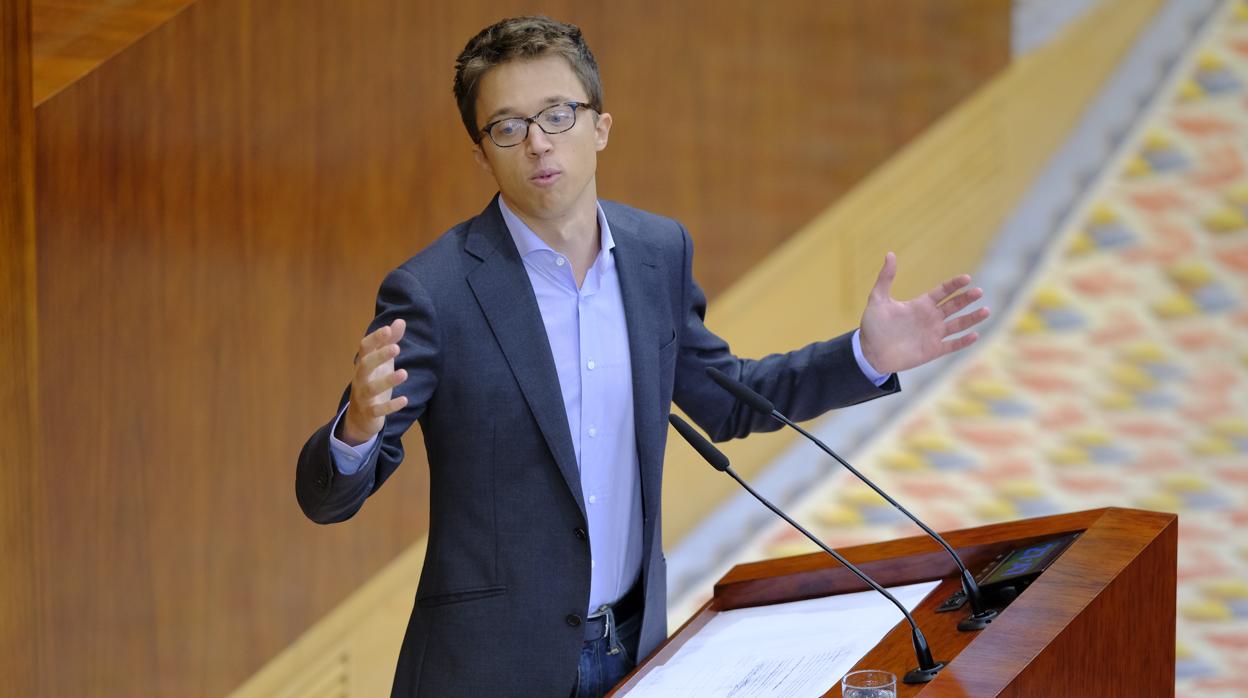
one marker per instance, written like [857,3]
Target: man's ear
[483,161]
[602,129]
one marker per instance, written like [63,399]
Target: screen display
[1027,561]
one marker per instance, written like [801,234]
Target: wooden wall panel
[19,442]
[217,203]
[70,38]
[774,111]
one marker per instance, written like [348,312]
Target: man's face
[545,176]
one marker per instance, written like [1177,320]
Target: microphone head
[705,448]
[740,391]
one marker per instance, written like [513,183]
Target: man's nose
[537,140]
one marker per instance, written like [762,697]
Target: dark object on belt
[629,607]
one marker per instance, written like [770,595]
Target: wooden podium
[1099,621]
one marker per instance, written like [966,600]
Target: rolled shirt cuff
[349,459]
[863,365]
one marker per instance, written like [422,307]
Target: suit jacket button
[573,619]
[580,533]
[322,480]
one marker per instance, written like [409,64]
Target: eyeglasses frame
[530,120]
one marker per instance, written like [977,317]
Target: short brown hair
[521,38]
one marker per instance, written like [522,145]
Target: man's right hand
[373,384]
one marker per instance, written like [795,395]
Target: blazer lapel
[649,325]
[505,295]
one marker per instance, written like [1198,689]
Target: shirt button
[593,498]
[560,261]
[573,619]
[592,432]
[590,365]
[593,564]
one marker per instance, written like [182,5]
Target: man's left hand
[897,335]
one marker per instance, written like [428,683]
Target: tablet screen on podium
[1028,561]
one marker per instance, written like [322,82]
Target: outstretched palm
[898,335]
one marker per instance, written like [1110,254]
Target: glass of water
[869,683]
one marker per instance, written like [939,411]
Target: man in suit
[541,344]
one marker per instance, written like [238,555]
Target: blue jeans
[607,659]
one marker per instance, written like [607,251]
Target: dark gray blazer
[507,569]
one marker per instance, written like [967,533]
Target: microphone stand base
[922,675]
[977,621]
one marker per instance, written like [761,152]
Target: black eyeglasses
[512,131]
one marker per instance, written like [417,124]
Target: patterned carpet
[1121,379]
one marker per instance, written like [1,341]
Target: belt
[606,618]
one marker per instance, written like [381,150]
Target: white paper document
[793,649]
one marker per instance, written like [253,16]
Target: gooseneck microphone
[981,615]
[928,668]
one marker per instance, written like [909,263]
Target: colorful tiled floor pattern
[1121,380]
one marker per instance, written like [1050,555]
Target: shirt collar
[527,241]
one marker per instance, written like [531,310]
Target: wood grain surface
[19,443]
[217,202]
[70,38]
[1099,621]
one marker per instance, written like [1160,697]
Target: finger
[389,334]
[948,288]
[385,381]
[388,407]
[375,358]
[952,345]
[397,328]
[884,281]
[965,322]
[374,340]
[961,300]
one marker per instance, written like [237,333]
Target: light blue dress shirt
[589,341]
